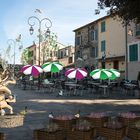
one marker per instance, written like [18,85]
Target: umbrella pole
[39,82]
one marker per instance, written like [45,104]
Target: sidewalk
[39,105]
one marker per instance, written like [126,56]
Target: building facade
[105,43]
[86,45]
[63,54]
[111,44]
[66,56]
[47,53]
[133,51]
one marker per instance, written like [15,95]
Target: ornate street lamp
[47,23]
[12,43]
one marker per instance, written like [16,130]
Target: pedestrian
[138,79]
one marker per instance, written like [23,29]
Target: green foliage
[127,10]
[26,56]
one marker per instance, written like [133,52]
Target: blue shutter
[103,26]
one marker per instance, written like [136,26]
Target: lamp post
[128,32]
[11,43]
[48,24]
[103,60]
[32,23]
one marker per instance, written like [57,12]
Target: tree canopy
[127,10]
[26,56]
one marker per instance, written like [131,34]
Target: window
[78,42]
[61,54]
[67,52]
[70,59]
[78,54]
[103,46]
[94,52]
[137,29]
[103,26]
[133,52]
[93,35]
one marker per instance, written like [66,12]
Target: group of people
[6,77]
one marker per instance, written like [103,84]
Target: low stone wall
[9,121]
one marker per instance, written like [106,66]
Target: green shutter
[103,26]
[133,52]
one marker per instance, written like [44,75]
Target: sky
[65,16]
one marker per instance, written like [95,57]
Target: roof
[93,22]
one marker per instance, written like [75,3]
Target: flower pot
[133,133]
[81,135]
[43,134]
[113,134]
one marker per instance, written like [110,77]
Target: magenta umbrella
[78,73]
[34,70]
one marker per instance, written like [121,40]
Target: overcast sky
[65,16]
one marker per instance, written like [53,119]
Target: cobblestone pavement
[40,104]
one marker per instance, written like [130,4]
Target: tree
[127,10]
[26,57]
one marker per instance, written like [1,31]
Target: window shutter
[103,26]
[133,52]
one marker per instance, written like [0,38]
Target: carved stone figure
[5,79]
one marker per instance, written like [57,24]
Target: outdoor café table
[131,87]
[94,83]
[104,88]
[73,86]
[48,85]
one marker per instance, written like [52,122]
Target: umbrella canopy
[101,74]
[78,73]
[34,70]
[115,74]
[52,67]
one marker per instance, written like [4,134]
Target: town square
[70,70]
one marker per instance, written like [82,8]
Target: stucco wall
[114,36]
[133,69]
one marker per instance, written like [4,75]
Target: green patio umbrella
[52,67]
[102,74]
[115,74]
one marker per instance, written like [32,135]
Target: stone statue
[5,79]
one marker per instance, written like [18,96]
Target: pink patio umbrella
[34,70]
[78,73]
